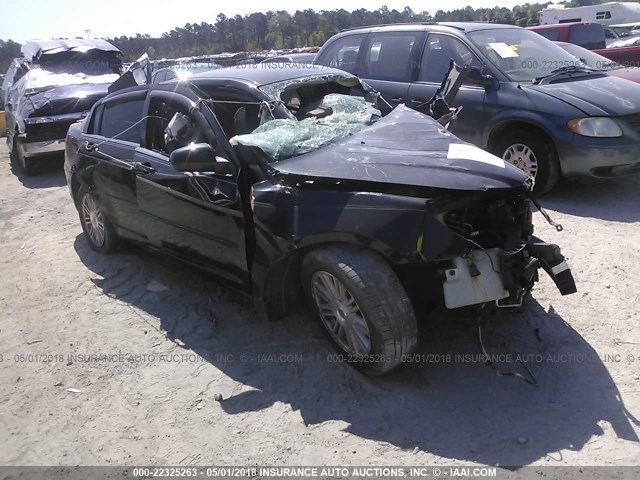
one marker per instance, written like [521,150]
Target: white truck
[611,13]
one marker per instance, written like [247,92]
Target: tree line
[305,28]
[280,29]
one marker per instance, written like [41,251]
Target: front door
[196,216]
[388,61]
[439,50]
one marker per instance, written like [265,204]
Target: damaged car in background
[304,183]
[59,83]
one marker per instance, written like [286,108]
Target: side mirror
[199,157]
[488,82]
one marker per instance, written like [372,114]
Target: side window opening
[94,125]
[389,56]
[170,126]
[121,120]
[343,53]
[438,53]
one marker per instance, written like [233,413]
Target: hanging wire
[530,379]
[95,146]
[543,212]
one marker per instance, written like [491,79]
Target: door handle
[417,101]
[91,146]
[143,168]
[397,99]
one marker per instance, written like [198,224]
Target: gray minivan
[527,100]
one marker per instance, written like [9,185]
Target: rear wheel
[100,233]
[362,306]
[532,153]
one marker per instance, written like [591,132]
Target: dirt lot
[172,339]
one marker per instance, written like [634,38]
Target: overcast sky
[39,19]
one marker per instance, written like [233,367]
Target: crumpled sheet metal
[34,49]
[285,138]
[406,147]
[39,87]
[39,78]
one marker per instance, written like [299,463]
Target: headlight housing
[36,120]
[603,127]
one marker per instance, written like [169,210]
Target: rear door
[439,50]
[196,216]
[114,134]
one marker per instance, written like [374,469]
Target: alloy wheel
[341,314]
[92,216]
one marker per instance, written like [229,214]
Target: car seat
[245,120]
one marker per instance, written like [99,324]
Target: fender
[532,118]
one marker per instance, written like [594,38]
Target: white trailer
[611,13]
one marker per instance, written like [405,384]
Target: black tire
[29,166]
[93,219]
[379,297]
[548,169]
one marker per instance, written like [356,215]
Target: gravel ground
[173,341]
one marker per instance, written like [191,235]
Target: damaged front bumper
[46,135]
[34,149]
[490,275]
[553,262]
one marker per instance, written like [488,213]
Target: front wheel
[28,165]
[532,153]
[100,233]
[362,305]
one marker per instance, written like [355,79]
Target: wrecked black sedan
[299,182]
[55,84]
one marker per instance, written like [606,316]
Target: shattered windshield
[521,54]
[323,109]
[335,117]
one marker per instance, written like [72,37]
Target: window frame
[421,58]
[123,98]
[334,47]
[410,73]
[188,105]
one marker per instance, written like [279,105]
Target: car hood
[70,91]
[605,95]
[61,100]
[631,73]
[406,148]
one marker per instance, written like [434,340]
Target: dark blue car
[528,101]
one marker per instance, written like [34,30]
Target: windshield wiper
[562,71]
